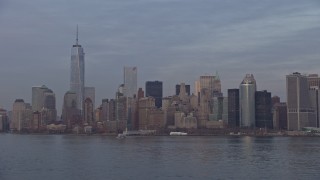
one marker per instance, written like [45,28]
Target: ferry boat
[178,134]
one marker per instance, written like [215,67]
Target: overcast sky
[168,40]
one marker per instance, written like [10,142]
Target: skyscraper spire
[77,36]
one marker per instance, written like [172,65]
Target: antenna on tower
[77,36]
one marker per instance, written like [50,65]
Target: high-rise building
[217,86]
[315,100]
[314,86]
[88,112]
[197,88]
[154,89]
[275,100]
[77,72]
[233,108]
[112,111]
[300,111]
[3,120]
[314,80]
[207,82]
[38,97]
[145,106]
[217,108]
[105,110]
[130,81]
[70,113]
[247,101]
[205,107]
[280,116]
[135,122]
[187,89]
[49,107]
[263,109]
[18,115]
[90,92]
[44,101]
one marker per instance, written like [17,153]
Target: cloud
[169,40]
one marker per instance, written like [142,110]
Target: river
[158,157]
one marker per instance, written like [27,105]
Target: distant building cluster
[135,108]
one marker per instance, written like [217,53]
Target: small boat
[178,134]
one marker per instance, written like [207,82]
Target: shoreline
[299,134]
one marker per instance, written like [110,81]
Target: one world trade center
[77,72]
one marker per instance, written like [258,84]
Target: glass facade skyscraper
[154,89]
[130,81]
[247,101]
[263,105]
[233,108]
[77,72]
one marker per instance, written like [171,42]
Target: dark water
[99,157]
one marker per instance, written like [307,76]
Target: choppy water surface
[209,157]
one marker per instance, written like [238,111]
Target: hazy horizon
[172,41]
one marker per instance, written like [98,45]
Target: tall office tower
[247,91]
[70,112]
[204,107]
[217,109]
[225,110]
[212,83]
[275,100]
[300,111]
[233,108]
[263,109]
[154,89]
[28,117]
[3,120]
[280,116]
[18,115]
[140,93]
[121,112]
[112,110]
[135,121]
[315,100]
[38,97]
[105,110]
[121,105]
[130,81]
[90,92]
[313,80]
[207,82]
[145,106]
[217,86]
[49,107]
[314,86]
[77,72]
[44,101]
[197,88]
[88,112]
[178,87]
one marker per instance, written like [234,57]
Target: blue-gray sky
[168,40]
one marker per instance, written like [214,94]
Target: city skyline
[188,42]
